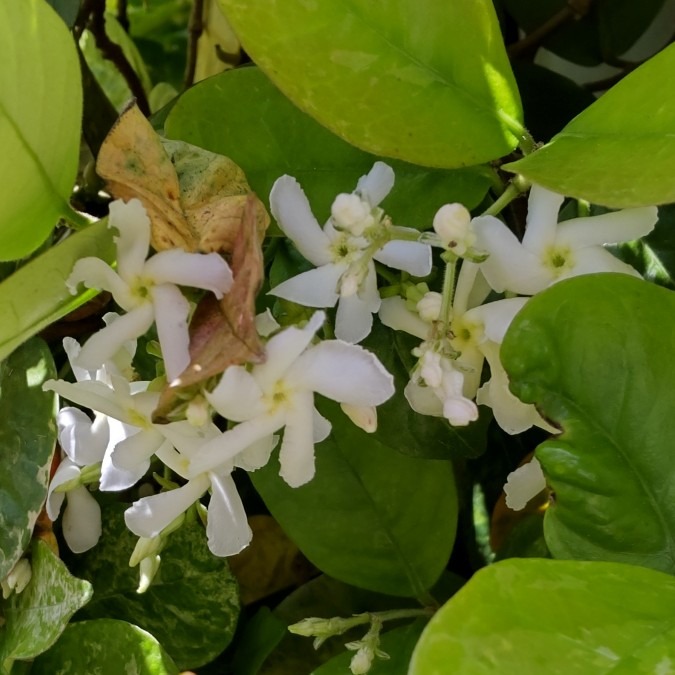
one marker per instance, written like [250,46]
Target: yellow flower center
[559,259]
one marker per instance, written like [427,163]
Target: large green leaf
[594,354]
[38,615]
[619,152]
[27,438]
[426,81]
[529,617]
[105,647]
[279,139]
[192,605]
[36,295]
[371,517]
[40,114]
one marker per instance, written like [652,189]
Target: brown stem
[113,52]
[195,29]
[122,14]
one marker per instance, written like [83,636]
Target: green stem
[515,188]
[526,143]
[387,274]
[448,289]
[76,220]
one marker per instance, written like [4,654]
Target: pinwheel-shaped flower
[550,251]
[280,394]
[344,250]
[147,290]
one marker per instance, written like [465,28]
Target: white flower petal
[596,259]
[354,319]
[227,529]
[197,270]
[257,455]
[377,183]
[72,348]
[542,219]
[292,212]
[228,445]
[296,455]
[314,288]
[523,484]
[344,373]
[409,256]
[171,310]
[496,316]
[148,516]
[509,267]
[608,228]
[237,396]
[322,427]
[459,411]
[94,395]
[83,441]
[104,345]
[133,241]
[81,520]
[67,470]
[395,314]
[423,400]
[94,273]
[283,349]
[133,453]
[466,280]
[266,324]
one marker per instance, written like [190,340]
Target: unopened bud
[430,368]
[197,413]
[144,548]
[361,661]
[452,223]
[429,307]
[148,569]
[351,213]
[365,417]
[17,579]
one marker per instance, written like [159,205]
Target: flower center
[344,249]
[277,397]
[559,259]
[142,288]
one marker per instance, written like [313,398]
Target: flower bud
[17,579]
[362,661]
[351,213]
[429,307]
[430,368]
[365,417]
[148,569]
[452,224]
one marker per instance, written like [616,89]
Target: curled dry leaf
[223,333]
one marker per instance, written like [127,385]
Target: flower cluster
[272,403]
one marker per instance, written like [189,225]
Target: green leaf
[426,81]
[594,353]
[36,295]
[543,616]
[67,10]
[38,615]
[191,584]
[400,427]
[257,639]
[105,647]
[398,643]
[27,438]
[40,114]
[619,152]
[280,139]
[370,517]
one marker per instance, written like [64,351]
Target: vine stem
[448,289]
[515,189]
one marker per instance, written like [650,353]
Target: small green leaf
[426,81]
[27,438]
[594,353]
[105,647]
[36,295]
[397,643]
[619,152]
[280,139]
[543,616]
[40,114]
[191,584]
[371,516]
[37,616]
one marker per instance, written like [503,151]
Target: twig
[113,52]
[195,29]
[82,18]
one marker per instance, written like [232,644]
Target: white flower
[147,290]
[523,484]
[345,273]
[17,579]
[227,527]
[550,251]
[280,394]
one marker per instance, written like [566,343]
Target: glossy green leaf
[191,584]
[371,516]
[40,114]
[619,152]
[257,639]
[426,81]
[543,616]
[27,438]
[397,643]
[280,139]
[105,647]
[36,295]
[38,615]
[399,426]
[67,10]
[594,353]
